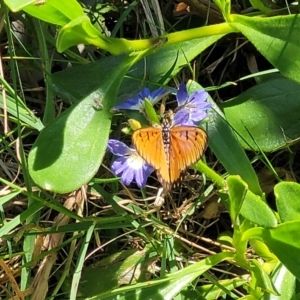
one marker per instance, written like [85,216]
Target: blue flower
[128,164]
[192,109]
[137,103]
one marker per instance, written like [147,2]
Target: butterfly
[170,149]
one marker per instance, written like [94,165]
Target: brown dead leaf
[212,209]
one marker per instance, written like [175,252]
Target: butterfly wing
[187,145]
[148,143]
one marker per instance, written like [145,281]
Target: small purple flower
[128,164]
[191,108]
[137,103]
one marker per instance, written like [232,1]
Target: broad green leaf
[80,31]
[237,191]
[284,282]
[228,150]
[263,251]
[287,201]
[284,242]
[153,71]
[276,38]
[257,211]
[55,11]
[266,114]
[68,152]
[16,5]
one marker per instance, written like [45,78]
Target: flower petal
[129,165]
[131,103]
[128,176]
[181,117]
[142,175]
[192,108]
[198,97]
[118,148]
[158,94]
[119,165]
[182,94]
[140,179]
[144,93]
[137,102]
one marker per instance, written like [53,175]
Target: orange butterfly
[170,149]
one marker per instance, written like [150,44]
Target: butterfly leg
[159,200]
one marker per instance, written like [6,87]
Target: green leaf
[79,31]
[249,205]
[16,5]
[267,114]
[284,282]
[150,112]
[264,252]
[68,152]
[228,150]
[261,278]
[20,219]
[21,113]
[54,11]
[225,7]
[261,5]
[237,190]
[158,68]
[17,108]
[214,291]
[257,211]
[284,242]
[276,38]
[287,201]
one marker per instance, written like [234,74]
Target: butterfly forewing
[175,170]
[187,145]
[149,144]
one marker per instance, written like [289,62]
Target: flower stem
[118,46]
[202,167]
